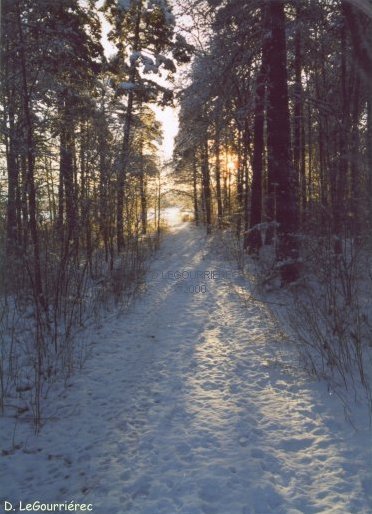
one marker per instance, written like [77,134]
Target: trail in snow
[188,405]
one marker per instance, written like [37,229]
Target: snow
[149,65]
[191,403]
[125,5]
[166,62]
[163,6]
[135,56]
[148,62]
[127,85]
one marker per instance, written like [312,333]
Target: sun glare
[168,117]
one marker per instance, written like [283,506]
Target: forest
[278,120]
[274,148]
[80,171]
[275,141]
[191,334]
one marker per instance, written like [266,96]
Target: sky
[169,119]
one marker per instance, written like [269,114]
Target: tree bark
[30,152]
[218,177]
[360,33]
[282,183]
[13,228]
[298,132]
[339,188]
[195,189]
[253,237]
[67,193]
[206,187]
[143,196]
[126,137]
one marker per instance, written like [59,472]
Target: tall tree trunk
[244,189]
[239,183]
[13,187]
[143,195]
[253,237]
[11,136]
[309,184]
[85,198]
[126,137]
[360,33]
[369,155]
[341,178]
[67,194]
[355,165]
[206,187]
[24,202]
[298,132]
[282,181]
[61,201]
[104,216]
[30,152]
[195,189]
[218,176]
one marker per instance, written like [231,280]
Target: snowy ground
[191,404]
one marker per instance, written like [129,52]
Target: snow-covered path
[189,405]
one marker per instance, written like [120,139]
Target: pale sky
[169,119]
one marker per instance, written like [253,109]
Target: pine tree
[144,36]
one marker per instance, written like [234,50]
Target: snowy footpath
[190,403]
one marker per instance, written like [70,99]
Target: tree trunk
[282,183]
[355,165]
[13,229]
[360,34]
[206,187]
[298,131]
[143,196]
[369,156]
[218,177]
[195,189]
[126,138]
[243,181]
[67,188]
[13,189]
[340,187]
[253,237]
[30,152]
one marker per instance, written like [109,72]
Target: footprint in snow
[257,453]
[244,441]
[294,445]
[210,490]
[125,476]
[210,386]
